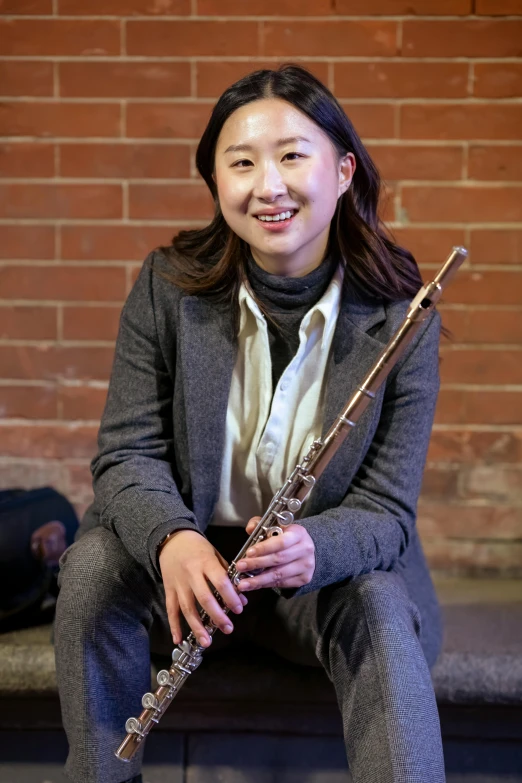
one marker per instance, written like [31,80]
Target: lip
[276,211]
[275,225]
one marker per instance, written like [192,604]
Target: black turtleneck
[287,300]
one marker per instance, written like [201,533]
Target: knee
[371,603]
[95,575]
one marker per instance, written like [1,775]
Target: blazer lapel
[208,353]
[353,353]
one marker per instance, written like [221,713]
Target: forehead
[264,121]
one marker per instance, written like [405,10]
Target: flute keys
[164,678]
[134,726]
[150,702]
[294,505]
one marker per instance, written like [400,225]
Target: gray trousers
[366,633]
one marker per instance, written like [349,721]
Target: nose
[269,183]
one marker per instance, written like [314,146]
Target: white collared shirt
[267,434]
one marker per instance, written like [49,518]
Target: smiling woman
[238,345]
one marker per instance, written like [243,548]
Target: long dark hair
[211,261]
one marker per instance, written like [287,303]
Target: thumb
[252,524]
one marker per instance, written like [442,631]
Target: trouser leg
[104,612]
[366,634]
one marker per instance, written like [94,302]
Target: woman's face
[271,160]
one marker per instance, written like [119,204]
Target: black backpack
[28,584]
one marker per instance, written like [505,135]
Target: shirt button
[284,385]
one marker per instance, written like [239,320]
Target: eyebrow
[279,143]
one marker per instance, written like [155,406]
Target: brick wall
[102,105]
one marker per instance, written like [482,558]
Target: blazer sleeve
[133,482]
[374,524]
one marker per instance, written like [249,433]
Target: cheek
[319,186]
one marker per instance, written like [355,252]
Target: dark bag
[36,526]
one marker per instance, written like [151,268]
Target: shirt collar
[328,307]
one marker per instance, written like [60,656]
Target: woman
[238,345]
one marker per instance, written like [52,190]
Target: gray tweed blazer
[162,432]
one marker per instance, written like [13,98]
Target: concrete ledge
[481,666]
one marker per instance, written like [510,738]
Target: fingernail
[251,552]
[228,628]
[203,641]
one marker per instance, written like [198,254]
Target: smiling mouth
[279,218]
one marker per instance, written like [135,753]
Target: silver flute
[288,501]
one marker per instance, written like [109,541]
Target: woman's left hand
[287,560]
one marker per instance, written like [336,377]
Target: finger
[281,557]
[290,575]
[275,543]
[220,580]
[173,616]
[252,524]
[243,599]
[191,615]
[209,603]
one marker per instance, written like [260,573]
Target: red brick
[498,80]
[90,323]
[403,7]
[401,161]
[125,7]
[470,522]
[61,201]
[177,202]
[169,121]
[491,325]
[496,246]
[401,80]
[27,323]
[372,121]
[79,483]
[51,362]
[468,446]
[196,38]
[126,161]
[474,558]
[330,38]
[496,163]
[461,203]
[124,79]
[489,288]
[472,406]
[63,283]
[439,484]
[498,7]
[82,402]
[28,402]
[49,441]
[26,78]
[429,246]
[265,8]
[462,38]
[112,243]
[213,78]
[59,119]
[26,7]
[496,484]
[26,160]
[59,37]
[461,121]
[28,242]
[475,365]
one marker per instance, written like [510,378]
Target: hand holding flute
[188,565]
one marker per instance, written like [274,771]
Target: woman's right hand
[188,562]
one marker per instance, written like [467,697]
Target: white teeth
[275,218]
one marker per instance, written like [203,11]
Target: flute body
[287,502]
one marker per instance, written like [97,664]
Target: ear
[346,171]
